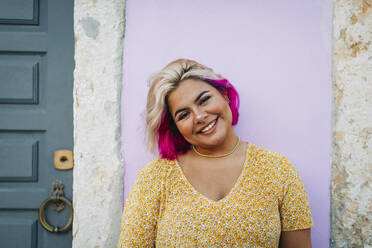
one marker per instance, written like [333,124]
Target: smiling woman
[162,132]
[202,116]
[209,188]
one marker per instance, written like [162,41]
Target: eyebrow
[196,99]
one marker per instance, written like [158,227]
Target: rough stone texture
[98,184]
[351,211]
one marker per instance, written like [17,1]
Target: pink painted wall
[276,53]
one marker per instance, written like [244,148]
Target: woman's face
[201,113]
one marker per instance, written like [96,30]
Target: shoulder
[272,162]
[157,169]
[266,157]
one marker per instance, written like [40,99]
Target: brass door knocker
[57,201]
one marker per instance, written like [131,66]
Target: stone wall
[351,194]
[98,184]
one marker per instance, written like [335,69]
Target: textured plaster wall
[351,211]
[98,184]
[277,54]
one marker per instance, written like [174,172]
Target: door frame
[98,168]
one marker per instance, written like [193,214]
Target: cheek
[224,109]
[227,112]
[184,128]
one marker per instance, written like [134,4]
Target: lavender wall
[276,53]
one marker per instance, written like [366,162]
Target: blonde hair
[163,83]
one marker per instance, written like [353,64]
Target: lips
[209,126]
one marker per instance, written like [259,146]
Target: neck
[227,146]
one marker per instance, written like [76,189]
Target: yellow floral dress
[164,210]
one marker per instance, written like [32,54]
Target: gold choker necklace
[217,156]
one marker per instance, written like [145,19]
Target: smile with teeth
[207,128]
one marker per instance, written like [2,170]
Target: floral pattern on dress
[164,210]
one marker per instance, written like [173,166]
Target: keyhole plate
[63,160]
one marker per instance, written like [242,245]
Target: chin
[213,141]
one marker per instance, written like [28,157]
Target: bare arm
[295,239]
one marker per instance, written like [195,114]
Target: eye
[204,99]
[182,116]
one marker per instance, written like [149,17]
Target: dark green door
[36,85]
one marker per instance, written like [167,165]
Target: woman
[209,188]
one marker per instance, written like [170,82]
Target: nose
[200,115]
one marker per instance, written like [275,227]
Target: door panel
[23,12]
[9,230]
[36,85]
[19,75]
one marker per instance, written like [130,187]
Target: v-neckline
[226,197]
